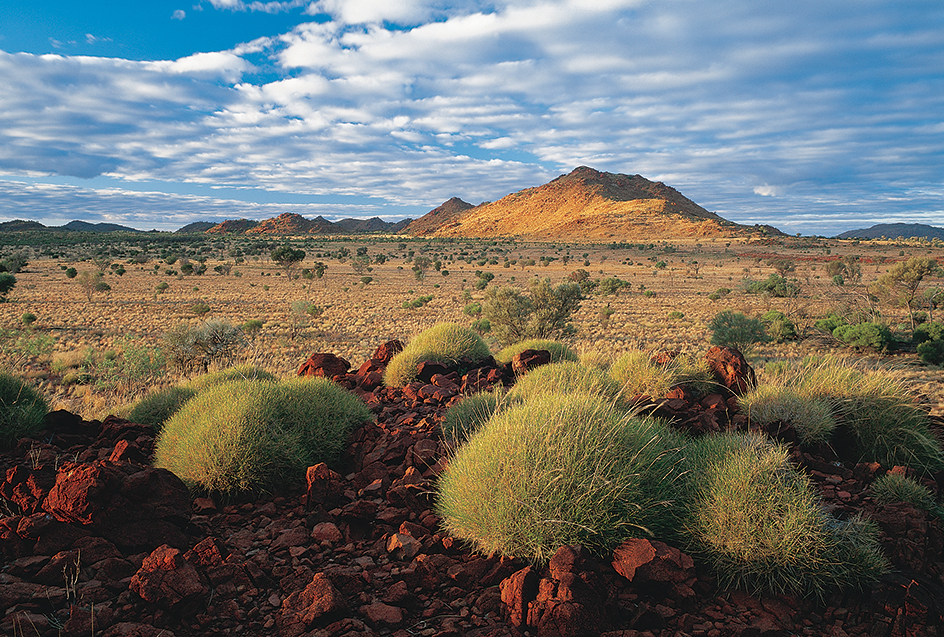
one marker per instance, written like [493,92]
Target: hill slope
[585,204]
[894,230]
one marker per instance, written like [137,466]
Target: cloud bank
[811,116]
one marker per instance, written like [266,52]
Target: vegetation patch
[559,351]
[22,410]
[443,343]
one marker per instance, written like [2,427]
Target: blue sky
[816,117]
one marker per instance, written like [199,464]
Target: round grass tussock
[157,407]
[559,351]
[560,469]
[812,417]
[257,436]
[637,375]
[442,343]
[875,408]
[565,377]
[22,410]
[893,487]
[756,520]
[468,415]
[237,372]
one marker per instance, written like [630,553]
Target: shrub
[257,436]
[595,359]
[560,469]
[473,309]
[812,417]
[468,415]
[611,285]
[559,351]
[932,352]
[237,372]
[637,375]
[482,326]
[775,285]
[733,329]
[22,410]
[929,332]
[442,343]
[864,335]
[779,327]
[756,520]
[830,323]
[215,341]
[7,283]
[157,407]
[545,314]
[566,377]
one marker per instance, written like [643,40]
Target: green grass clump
[892,487]
[560,469]
[157,407]
[468,415]
[257,436]
[442,343]
[811,416]
[756,520]
[566,377]
[237,372]
[559,351]
[637,375]
[22,410]
[876,409]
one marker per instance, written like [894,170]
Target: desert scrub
[559,351]
[734,329]
[811,416]
[756,520]
[237,372]
[257,436]
[875,409]
[469,414]
[157,407]
[638,375]
[566,377]
[560,469]
[442,343]
[22,410]
[893,487]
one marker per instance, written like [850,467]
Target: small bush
[775,285]
[812,417]
[929,332]
[157,407]
[189,347]
[830,323]
[757,521]
[481,326]
[257,436]
[864,335]
[237,372]
[595,359]
[559,351]
[560,469]
[779,327]
[442,343]
[733,329]
[468,415]
[22,410]
[932,352]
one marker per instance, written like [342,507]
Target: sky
[815,117]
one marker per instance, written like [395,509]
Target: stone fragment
[731,369]
[167,579]
[325,365]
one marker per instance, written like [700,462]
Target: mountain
[85,226]
[438,217]
[374,224]
[19,225]
[291,223]
[585,204]
[195,227]
[895,230]
[233,226]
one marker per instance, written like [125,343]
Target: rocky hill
[585,204]
[436,218]
[895,230]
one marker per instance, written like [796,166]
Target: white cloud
[179,14]
[477,100]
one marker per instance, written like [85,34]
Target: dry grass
[356,319]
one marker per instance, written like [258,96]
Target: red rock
[644,561]
[297,536]
[131,629]
[27,488]
[325,365]
[403,547]
[664,358]
[731,369]
[517,592]
[380,614]
[525,361]
[205,553]
[326,531]
[324,485]
[385,353]
[81,492]
[632,554]
[425,370]
[319,599]
[167,579]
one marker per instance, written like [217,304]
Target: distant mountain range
[895,230]
[583,205]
